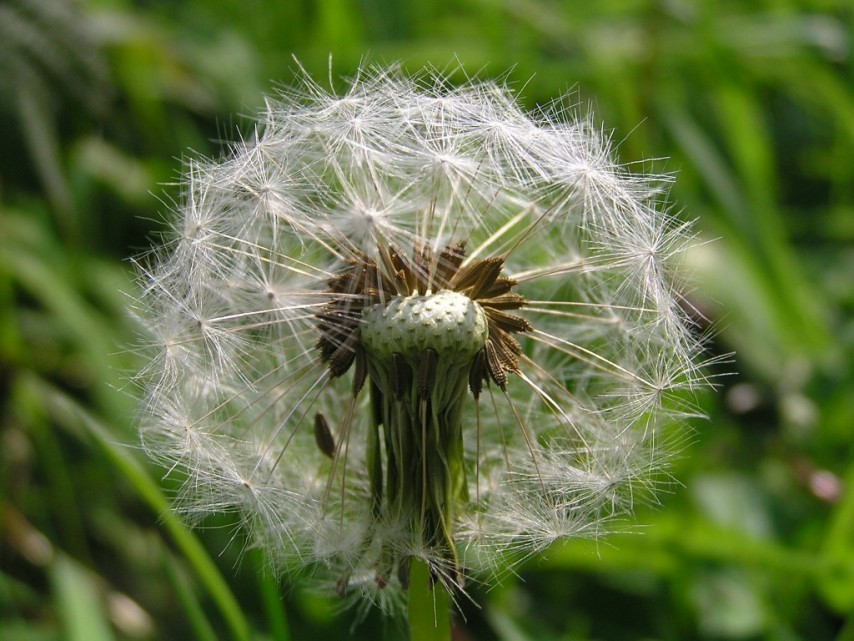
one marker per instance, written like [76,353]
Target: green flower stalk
[413,322]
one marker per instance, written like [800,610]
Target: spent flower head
[414,321]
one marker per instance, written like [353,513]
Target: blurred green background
[750,103]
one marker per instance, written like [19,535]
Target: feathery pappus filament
[415,321]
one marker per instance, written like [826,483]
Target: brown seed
[496,370]
[507,322]
[323,435]
[477,374]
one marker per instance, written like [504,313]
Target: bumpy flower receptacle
[449,323]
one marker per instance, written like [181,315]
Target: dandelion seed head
[415,321]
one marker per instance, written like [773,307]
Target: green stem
[429,606]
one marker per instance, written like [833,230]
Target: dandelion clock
[411,331]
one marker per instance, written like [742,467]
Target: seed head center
[450,323]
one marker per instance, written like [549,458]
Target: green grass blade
[78,602]
[202,628]
[66,410]
[277,622]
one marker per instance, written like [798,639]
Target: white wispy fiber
[291,382]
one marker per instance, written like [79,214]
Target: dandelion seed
[415,322]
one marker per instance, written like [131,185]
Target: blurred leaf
[837,583]
[67,412]
[190,605]
[123,174]
[274,606]
[506,628]
[672,539]
[26,632]
[733,502]
[43,144]
[728,606]
[48,54]
[79,602]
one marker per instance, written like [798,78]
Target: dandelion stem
[429,605]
